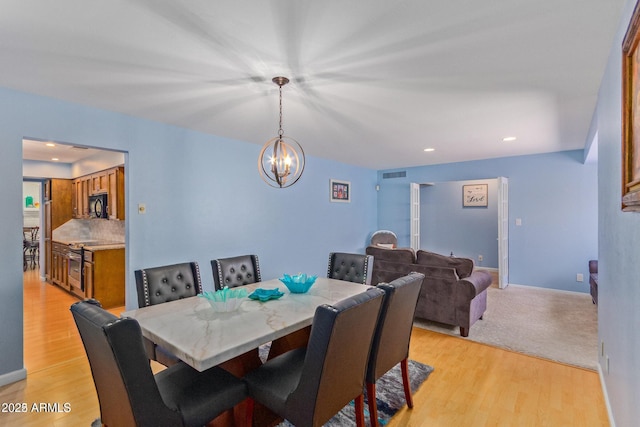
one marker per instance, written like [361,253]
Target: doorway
[449,226]
[40,295]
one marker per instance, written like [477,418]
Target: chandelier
[281,160]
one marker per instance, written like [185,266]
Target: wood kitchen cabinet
[59,271]
[88,274]
[110,181]
[81,189]
[58,209]
[104,276]
[99,182]
[115,191]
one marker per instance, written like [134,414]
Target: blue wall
[553,194]
[204,200]
[618,253]
[447,226]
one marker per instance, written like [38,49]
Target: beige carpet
[561,326]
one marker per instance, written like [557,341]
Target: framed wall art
[340,191]
[475,195]
[631,115]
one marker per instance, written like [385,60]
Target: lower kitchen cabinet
[60,265]
[104,276]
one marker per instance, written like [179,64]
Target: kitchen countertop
[93,245]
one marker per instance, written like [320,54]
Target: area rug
[556,325]
[389,396]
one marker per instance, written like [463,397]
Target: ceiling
[373,82]
[43,151]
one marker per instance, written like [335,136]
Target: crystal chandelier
[281,161]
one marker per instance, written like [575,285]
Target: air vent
[388,175]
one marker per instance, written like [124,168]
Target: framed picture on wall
[631,115]
[340,191]
[475,195]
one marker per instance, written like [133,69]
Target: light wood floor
[472,385]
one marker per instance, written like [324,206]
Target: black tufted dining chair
[158,285]
[235,271]
[309,385]
[392,336]
[130,394]
[355,268]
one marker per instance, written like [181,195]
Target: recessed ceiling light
[55,159]
[509,138]
[429,149]
[50,144]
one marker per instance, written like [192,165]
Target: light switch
[142,208]
[518,221]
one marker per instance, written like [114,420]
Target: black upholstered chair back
[167,283]
[235,271]
[355,268]
[336,359]
[127,391]
[393,334]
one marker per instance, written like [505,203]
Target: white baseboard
[612,422]
[562,291]
[13,377]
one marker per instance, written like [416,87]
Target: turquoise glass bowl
[298,284]
[225,300]
[266,294]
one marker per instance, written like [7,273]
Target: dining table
[190,329]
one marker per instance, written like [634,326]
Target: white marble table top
[203,338]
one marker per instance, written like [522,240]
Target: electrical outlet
[579,277]
[480,258]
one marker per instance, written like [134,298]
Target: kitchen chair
[392,336]
[158,285]
[128,392]
[355,268]
[309,387]
[30,247]
[235,271]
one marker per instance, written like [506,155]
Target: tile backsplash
[90,229]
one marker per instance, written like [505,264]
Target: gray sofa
[452,293]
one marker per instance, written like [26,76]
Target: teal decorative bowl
[225,300]
[266,294]
[298,284]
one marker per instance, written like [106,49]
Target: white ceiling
[62,153]
[374,82]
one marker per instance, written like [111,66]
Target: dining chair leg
[360,410]
[404,367]
[373,406]
[249,416]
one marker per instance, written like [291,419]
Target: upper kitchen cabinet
[99,182]
[81,193]
[110,181]
[115,191]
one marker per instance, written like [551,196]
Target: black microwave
[99,206]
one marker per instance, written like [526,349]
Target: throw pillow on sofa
[463,266]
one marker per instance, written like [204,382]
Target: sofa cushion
[403,255]
[463,266]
